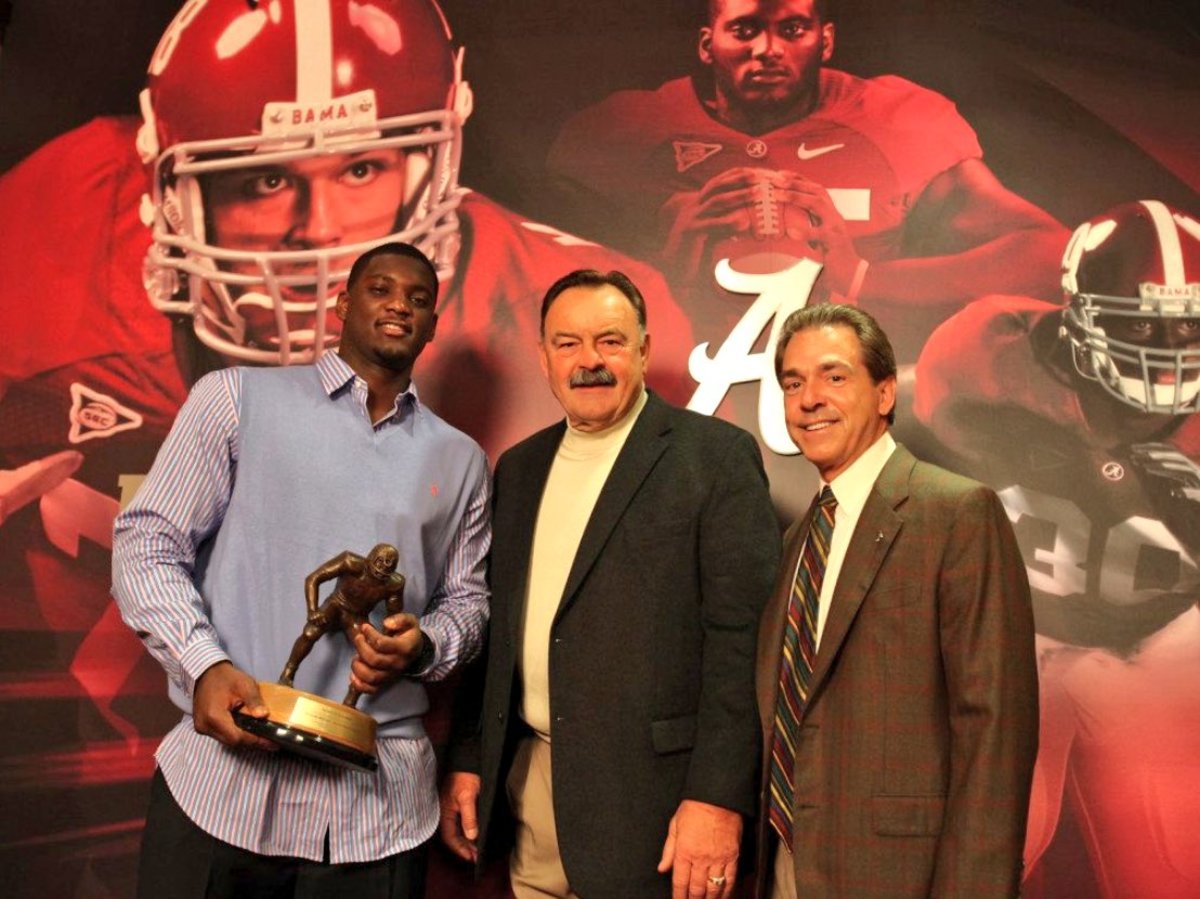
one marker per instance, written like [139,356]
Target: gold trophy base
[314,726]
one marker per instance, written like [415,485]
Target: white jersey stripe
[1168,240]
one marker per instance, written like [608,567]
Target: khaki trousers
[535,866]
[783,878]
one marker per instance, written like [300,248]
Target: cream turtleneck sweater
[580,469]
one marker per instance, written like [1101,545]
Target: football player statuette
[313,725]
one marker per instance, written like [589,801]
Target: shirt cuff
[197,659]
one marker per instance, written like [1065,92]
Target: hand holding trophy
[313,725]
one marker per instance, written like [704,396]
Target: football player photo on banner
[1013,191]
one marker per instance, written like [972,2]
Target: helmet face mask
[1132,283]
[255,228]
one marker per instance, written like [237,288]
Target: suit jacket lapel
[877,528]
[643,447]
[530,484]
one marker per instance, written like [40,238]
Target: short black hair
[877,351]
[713,7]
[394,248]
[590,277]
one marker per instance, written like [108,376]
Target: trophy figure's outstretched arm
[343,563]
[320,618]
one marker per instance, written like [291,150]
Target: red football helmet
[271,126]
[1131,277]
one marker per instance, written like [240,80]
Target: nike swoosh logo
[804,153]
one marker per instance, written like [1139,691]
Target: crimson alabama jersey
[88,390]
[1110,539]
[875,144]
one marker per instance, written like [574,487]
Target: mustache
[597,377]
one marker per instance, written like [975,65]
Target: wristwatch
[424,658]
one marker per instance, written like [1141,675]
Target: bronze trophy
[313,725]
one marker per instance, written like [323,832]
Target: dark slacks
[181,861]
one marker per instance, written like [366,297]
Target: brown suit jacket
[916,748]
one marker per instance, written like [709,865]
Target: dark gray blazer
[652,649]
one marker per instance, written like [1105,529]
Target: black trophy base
[306,743]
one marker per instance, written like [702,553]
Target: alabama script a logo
[779,295]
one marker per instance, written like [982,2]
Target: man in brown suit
[896,679]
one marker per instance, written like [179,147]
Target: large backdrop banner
[1012,189]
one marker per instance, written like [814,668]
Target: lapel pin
[879,537]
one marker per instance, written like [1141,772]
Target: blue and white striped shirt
[267,474]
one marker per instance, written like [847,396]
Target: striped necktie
[799,656]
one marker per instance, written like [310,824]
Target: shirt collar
[337,375]
[334,371]
[853,486]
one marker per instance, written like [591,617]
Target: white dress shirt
[851,489]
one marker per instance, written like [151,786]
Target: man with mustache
[777,157]
[635,544]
